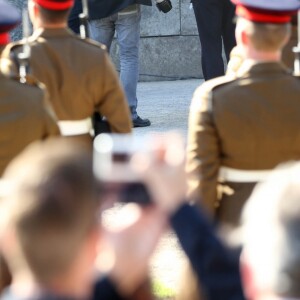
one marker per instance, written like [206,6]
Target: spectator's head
[50,216]
[271,233]
[264,26]
[9,18]
[49,13]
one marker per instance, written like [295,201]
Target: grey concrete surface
[167,58]
[156,23]
[166,104]
[187,19]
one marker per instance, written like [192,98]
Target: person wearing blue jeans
[126,24]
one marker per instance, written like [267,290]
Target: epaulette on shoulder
[93,43]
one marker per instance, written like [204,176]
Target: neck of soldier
[38,23]
[262,56]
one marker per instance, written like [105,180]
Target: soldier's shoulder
[203,94]
[217,83]
[91,44]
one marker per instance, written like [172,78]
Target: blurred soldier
[51,232]
[241,127]
[78,73]
[24,116]
[215,24]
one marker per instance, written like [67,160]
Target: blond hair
[267,37]
[51,208]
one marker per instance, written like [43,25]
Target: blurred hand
[132,240]
[163,172]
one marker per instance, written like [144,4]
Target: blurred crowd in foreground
[53,192]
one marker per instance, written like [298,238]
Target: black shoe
[139,122]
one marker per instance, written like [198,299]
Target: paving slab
[166,104]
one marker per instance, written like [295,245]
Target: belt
[236,175]
[78,127]
[131,9]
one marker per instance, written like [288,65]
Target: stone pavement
[166,104]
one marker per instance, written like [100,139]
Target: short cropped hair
[271,232]
[51,207]
[267,37]
[54,16]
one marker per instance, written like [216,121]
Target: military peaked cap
[267,11]
[55,4]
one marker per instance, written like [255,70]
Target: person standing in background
[215,23]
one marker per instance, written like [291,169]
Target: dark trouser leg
[208,15]
[228,27]
[73,21]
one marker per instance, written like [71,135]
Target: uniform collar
[251,67]
[51,32]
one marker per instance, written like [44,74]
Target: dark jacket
[99,9]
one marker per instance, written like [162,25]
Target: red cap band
[55,5]
[4,38]
[262,16]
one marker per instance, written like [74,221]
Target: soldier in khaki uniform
[23,115]
[240,127]
[78,73]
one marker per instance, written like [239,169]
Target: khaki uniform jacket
[79,77]
[250,123]
[24,118]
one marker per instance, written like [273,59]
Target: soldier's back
[240,126]
[257,118]
[24,118]
[78,74]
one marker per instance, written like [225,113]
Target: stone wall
[169,48]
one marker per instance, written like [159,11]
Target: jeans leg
[128,36]
[103,30]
